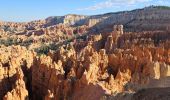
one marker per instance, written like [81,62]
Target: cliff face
[19,91]
[13,59]
[136,20]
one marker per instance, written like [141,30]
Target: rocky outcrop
[108,73]
[47,78]
[74,19]
[113,39]
[13,59]
[19,91]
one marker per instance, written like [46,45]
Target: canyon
[114,56]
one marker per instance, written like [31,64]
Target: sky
[28,10]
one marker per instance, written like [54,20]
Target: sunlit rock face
[14,61]
[19,91]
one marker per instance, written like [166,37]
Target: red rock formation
[19,91]
[96,65]
[13,58]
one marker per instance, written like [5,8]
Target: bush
[44,49]
[27,42]
[9,41]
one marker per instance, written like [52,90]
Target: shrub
[43,49]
